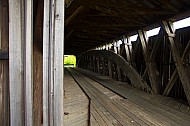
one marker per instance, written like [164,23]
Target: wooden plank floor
[76,103]
[167,101]
[135,107]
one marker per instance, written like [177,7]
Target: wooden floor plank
[93,121]
[138,109]
[106,113]
[108,122]
[185,109]
[142,113]
[97,117]
[174,104]
[119,115]
[115,96]
[174,117]
[76,103]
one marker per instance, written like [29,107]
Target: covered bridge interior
[133,62]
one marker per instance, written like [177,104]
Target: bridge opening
[69,61]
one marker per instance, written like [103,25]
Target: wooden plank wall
[4,69]
[37,67]
[38,63]
[21,62]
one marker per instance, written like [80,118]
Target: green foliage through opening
[69,61]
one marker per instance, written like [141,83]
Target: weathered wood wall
[4,69]
[38,63]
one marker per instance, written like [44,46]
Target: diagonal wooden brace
[183,74]
[152,72]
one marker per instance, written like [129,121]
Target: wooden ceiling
[89,23]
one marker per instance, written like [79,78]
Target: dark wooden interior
[160,64]
[91,23]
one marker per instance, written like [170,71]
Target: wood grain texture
[143,107]
[28,63]
[76,103]
[4,69]
[16,39]
[38,65]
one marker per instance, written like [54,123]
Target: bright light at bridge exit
[69,61]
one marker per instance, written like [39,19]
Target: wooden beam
[94,64]
[77,11]
[119,73]
[16,41]
[28,62]
[186,52]
[175,76]
[58,62]
[131,73]
[127,7]
[98,63]
[46,45]
[68,2]
[102,24]
[144,74]
[110,68]
[115,47]
[152,72]
[183,74]
[69,35]
[169,5]
[128,48]
[53,62]
[20,62]
[170,84]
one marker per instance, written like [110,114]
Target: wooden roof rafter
[105,20]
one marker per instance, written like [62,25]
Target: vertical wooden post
[58,66]
[118,48]
[128,48]
[119,73]
[53,42]
[20,62]
[110,68]
[107,47]
[98,64]
[28,62]
[183,74]
[93,64]
[16,39]
[1,83]
[153,77]
[51,62]
[46,71]
[115,47]
[103,66]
